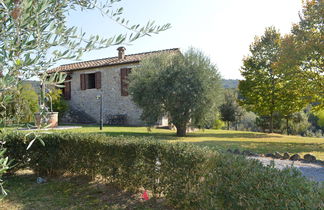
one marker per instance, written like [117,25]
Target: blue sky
[222,29]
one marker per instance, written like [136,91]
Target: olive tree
[186,88]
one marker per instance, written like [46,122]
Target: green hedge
[189,177]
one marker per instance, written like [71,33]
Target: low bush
[187,176]
[238,183]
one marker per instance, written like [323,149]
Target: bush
[58,103]
[189,177]
[238,183]
[21,106]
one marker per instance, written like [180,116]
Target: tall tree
[185,87]
[295,94]
[260,88]
[302,55]
[300,62]
[309,36]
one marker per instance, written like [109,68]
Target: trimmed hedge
[187,176]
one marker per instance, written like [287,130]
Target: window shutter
[123,81]
[82,81]
[98,80]
[67,90]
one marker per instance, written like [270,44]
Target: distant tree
[230,110]
[260,87]
[185,87]
[299,123]
[262,122]
[218,123]
[227,113]
[248,122]
[22,105]
[320,118]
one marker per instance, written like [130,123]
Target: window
[90,81]
[66,90]
[123,81]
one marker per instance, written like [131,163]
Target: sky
[222,29]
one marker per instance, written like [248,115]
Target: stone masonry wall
[113,102]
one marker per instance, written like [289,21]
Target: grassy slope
[222,139]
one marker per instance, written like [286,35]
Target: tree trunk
[271,123]
[228,125]
[181,130]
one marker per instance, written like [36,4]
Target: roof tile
[132,58]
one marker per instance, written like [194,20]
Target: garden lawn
[223,139]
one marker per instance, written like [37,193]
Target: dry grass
[69,192]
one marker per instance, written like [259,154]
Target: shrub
[189,177]
[238,183]
[21,106]
[58,103]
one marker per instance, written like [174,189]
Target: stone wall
[113,103]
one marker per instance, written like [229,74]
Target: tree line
[284,73]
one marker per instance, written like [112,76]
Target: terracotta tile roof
[132,58]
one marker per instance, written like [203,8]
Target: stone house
[88,80]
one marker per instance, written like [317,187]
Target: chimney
[121,52]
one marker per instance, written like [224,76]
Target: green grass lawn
[223,139]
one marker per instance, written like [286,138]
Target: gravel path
[311,171]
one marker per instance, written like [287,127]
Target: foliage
[173,170]
[230,110]
[7,83]
[29,32]
[184,87]
[4,167]
[263,122]
[320,115]
[218,123]
[294,75]
[308,37]
[22,105]
[187,176]
[260,89]
[58,103]
[299,123]
[248,122]
[230,83]
[238,183]
[301,56]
